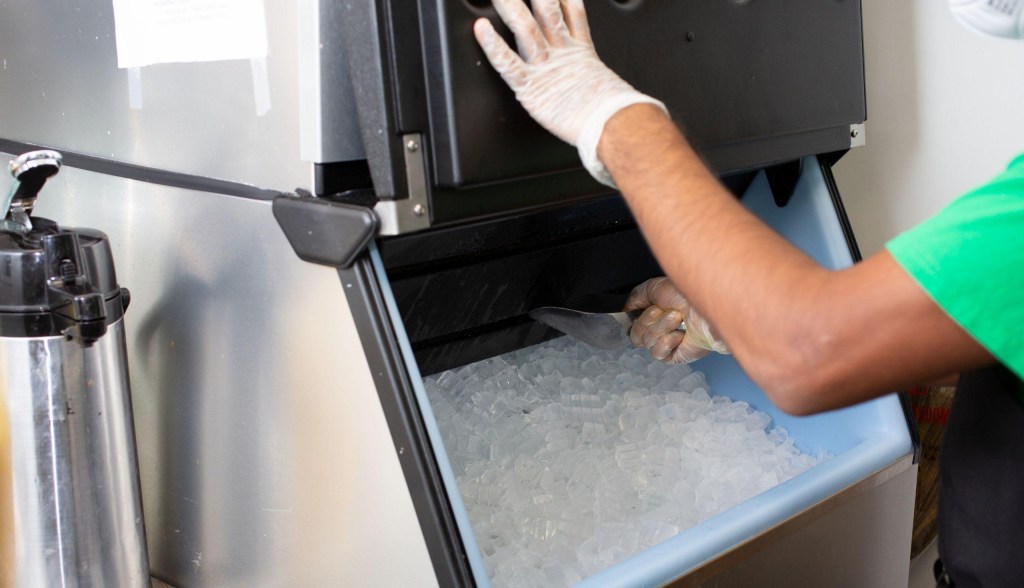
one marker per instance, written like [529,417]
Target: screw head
[855,133]
[419,210]
[412,145]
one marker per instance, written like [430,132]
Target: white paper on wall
[176,31]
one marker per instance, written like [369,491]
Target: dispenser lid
[43,269]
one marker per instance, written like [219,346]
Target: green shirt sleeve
[970,259]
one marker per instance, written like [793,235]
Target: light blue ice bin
[845,522]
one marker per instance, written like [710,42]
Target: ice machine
[338,198]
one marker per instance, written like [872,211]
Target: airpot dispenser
[77,509]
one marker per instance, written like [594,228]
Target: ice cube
[628,456]
[570,460]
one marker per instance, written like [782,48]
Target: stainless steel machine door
[264,453]
[258,122]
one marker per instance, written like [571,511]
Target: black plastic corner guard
[325,232]
[825,162]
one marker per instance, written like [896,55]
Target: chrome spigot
[30,171]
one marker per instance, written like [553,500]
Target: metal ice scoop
[604,330]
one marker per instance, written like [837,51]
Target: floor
[921,575]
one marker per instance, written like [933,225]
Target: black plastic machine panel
[731,72]
[753,82]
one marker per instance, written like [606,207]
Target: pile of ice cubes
[571,459]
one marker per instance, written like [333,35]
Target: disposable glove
[1004,18]
[656,329]
[557,75]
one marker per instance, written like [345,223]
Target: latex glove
[656,329]
[998,19]
[557,75]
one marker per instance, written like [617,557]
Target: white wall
[945,113]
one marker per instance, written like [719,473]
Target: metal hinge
[857,135]
[413,213]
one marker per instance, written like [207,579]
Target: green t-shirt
[970,259]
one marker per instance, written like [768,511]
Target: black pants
[981,477]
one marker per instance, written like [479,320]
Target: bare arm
[813,339]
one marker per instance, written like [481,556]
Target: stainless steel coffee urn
[77,511]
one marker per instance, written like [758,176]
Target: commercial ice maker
[310,228]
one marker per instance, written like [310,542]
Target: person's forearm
[731,266]
[682,207]
[812,338]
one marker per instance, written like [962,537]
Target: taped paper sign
[176,31]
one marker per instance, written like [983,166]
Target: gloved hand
[999,19]
[557,75]
[656,328]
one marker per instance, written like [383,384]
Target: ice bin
[871,441]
